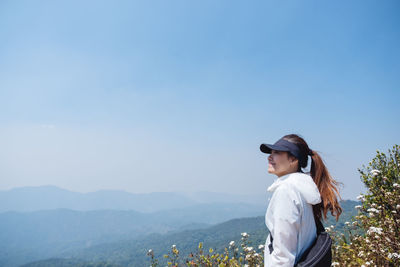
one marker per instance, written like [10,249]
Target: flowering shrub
[378,244]
[372,238]
[232,256]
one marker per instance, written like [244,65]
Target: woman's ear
[293,160]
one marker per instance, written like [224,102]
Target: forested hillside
[29,236]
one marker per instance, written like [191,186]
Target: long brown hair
[327,186]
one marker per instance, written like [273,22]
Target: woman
[297,197]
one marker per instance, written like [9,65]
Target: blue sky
[178,95]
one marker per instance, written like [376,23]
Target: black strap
[271,248]
[318,224]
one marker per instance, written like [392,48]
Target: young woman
[297,197]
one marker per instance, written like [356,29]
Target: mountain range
[51,197]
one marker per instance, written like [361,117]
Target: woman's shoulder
[287,190]
[285,197]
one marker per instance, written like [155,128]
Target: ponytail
[327,186]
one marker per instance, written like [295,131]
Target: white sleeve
[286,224]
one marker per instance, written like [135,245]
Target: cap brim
[266,148]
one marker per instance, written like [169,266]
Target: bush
[233,256]
[373,235]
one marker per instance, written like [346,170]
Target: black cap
[282,145]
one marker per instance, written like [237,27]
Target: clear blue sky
[178,95]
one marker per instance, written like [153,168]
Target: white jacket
[290,219]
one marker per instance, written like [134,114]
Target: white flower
[150,252]
[368,263]
[347,223]
[360,254]
[398,207]
[374,230]
[231,244]
[373,210]
[335,263]
[244,234]
[248,249]
[358,207]
[393,255]
[173,246]
[396,185]
[260,246]
[375,173]
[361,197]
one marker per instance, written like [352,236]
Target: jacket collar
[303,183]
[278,181]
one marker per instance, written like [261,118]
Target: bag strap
[318,224]
[270,246]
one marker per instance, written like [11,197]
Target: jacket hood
[303,183]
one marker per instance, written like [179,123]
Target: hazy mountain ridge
[52,197]
[46,233]
[37,198]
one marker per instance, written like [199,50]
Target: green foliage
[378,218]
[232,257]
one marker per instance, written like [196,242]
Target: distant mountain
[51,197]
[27,236]
[133,252]
[207,197]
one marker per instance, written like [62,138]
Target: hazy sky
[150,96]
